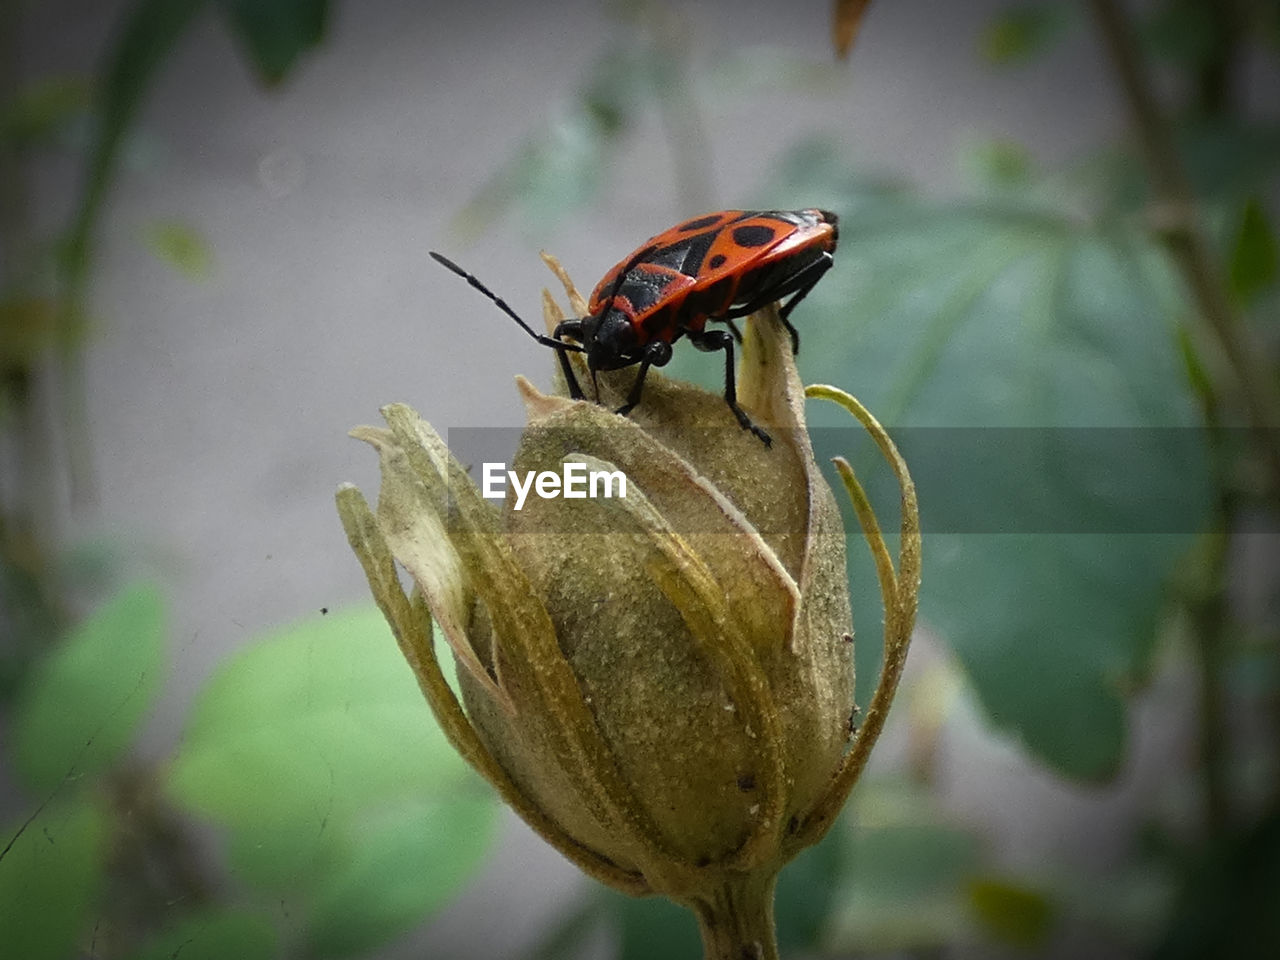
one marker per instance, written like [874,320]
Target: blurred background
[1056,218]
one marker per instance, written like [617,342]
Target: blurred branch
[1216,85]
[1185,236]
[27,513]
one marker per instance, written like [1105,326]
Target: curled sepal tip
[899,590]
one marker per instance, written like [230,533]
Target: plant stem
[1185,236]
[736,922]
[28,510]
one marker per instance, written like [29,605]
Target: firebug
[716,267]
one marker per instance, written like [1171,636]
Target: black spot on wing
[753,235]
[716,262]
[700,224]
[686,255]
[643,289]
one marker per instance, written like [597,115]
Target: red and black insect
[718,267]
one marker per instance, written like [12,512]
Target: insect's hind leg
[709,340]
[799,283]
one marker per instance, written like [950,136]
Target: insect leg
[709,340]
[656,354]
[574,329]
[799,283]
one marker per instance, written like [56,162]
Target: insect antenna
[502,305]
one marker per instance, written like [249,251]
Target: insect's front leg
[572,328]
[656,354]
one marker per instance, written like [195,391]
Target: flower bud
[659,683]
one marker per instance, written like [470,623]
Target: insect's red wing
[680,248]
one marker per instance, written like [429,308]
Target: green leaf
[276,32]
[27,330]
[806,888]
[1020,34]
[903,889]
[50,875]
[997,164]
[1012,913]
[571,929]
[1229,898]
[318,753]
[82,706]
[653,927]
[148,34]
[1187,32]
[180,246]
[408,863]
[1253,257]
[216,933]
[42,109]
[1028,366]
[30,620]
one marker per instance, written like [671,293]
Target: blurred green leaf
[558,170]
[50,874]
[1231,162]
[992,321]
[181,246]
[408,863]
[805,891]
[561,168]
[148,34]
[572,928]
[42,109]
[1227,905]
[1021,33]
[1187,32]
[748,72]
[550,176]
[27,330]
[903,888]
[318,720]
[652,927]
[1011,913]
[28,616]
[1197,374]
[82,705]
[217,933]
[317,751]
[996,164]
[1253,258]
[276,32]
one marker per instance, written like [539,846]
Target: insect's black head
[610,341]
